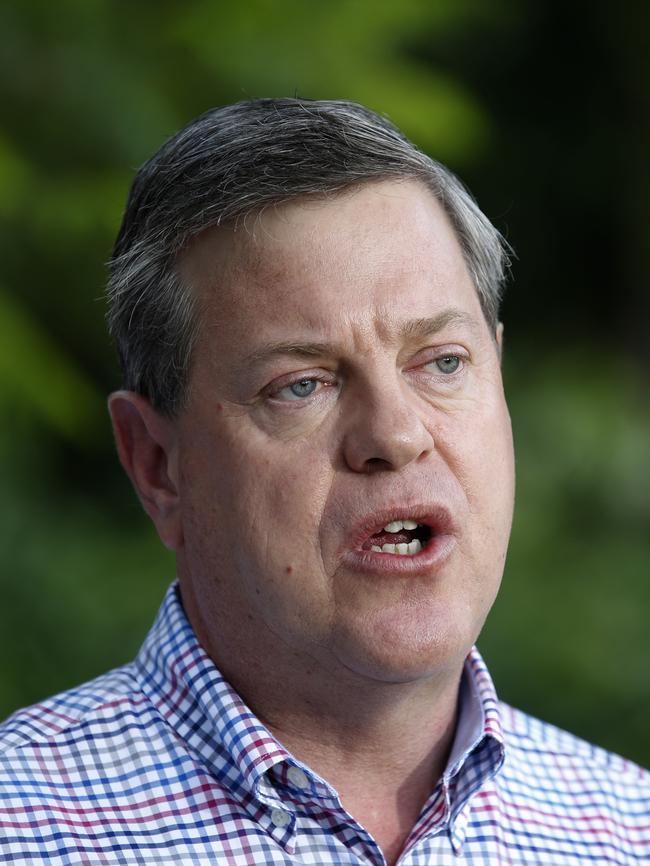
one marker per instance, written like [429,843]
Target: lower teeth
[402,549]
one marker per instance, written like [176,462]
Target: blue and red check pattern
[160,762]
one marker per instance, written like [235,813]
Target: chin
[404,655]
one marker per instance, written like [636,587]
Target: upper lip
[436,516]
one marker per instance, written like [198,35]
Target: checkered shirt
[161,762]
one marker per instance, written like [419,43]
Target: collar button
[280,818]
[297,778]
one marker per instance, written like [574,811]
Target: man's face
[344,380]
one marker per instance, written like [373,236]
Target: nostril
[376,464]
[385,447]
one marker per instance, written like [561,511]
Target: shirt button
[280,818]
[297,778]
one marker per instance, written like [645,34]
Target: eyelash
[299,398]
[451,356]
[276,391]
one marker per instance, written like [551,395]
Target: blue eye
[449,364]
[300,390]
[303,388]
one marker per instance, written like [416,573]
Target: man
[306,312]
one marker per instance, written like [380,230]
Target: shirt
[161,761]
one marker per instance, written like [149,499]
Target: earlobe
[146,446]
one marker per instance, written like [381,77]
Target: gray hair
[232,162]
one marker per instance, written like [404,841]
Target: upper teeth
[398,525]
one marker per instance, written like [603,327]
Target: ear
[499,339]
[146,445]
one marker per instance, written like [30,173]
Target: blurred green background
[542,109]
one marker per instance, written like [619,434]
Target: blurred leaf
[36,376]
[75,205]
[15,176]
[345,50]
[569,633]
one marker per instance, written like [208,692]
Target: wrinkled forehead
[357,250]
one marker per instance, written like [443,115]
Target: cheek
[265,498]
[495,485]
[480,451]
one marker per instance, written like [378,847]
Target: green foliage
[342,50]
[91,87]
[576,591]
[36,377]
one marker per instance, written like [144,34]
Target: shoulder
[103,739]
[554,763]
[109,698]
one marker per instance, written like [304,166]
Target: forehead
[376,253]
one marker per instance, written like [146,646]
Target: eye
[298,390]
[448,364]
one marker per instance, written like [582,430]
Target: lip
[438,549]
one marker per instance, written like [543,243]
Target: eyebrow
[275,349]
[427,327]
[412,329]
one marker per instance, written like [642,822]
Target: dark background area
[540,107]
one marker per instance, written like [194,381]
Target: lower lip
[433,556]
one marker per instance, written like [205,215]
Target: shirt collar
[204,710]
[478,751]
[478,713]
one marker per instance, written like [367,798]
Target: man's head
[224,168]
[334,388]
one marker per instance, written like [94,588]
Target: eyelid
[435,353]
[286,381]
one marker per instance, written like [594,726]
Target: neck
[386,730]
[384,763]
[382,745]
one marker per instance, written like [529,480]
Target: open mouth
[399,537]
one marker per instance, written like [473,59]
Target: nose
[384,430]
